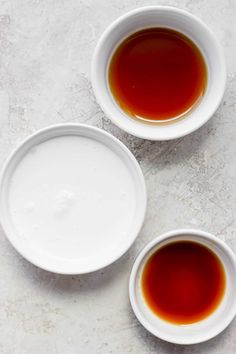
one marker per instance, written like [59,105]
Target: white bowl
[179,20]
[199,331]
[39,208]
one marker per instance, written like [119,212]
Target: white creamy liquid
[72,197]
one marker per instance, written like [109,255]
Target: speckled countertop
[45,53]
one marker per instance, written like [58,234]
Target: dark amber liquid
[157,74]
[183,282]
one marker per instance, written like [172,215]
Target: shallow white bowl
[84,258]
[179,20]
[199,331]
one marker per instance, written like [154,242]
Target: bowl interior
[198,331]
[160,17]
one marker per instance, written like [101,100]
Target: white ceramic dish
[199,331]
[179,20]
[72,199]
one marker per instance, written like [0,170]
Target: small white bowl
[88,231]
[199,331]
[179,20]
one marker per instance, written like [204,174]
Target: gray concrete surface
[45,53]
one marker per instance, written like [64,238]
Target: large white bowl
[179,20]
[199,331]
[86,257]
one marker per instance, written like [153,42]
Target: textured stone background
[45,53]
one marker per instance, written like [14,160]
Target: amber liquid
[183,282]
[157,74]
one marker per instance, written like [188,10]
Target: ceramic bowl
[43,233]
[199,331]
[179,20]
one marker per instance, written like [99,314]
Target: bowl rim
[133,129]
[132,283]
[32,139]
